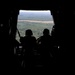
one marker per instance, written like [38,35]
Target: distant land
[37,21]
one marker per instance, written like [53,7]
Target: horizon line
[35,21]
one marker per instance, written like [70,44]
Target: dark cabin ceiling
[32,4]
[37,4]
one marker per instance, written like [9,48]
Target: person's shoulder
[33,37]
[41,37]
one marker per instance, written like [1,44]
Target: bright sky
[34,11]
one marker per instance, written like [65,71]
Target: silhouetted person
[28,43]
[45,46]
[54,34]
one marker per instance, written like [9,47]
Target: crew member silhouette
[45,46]
[28,43]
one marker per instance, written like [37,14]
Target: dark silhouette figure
[45,47]
[28,42]
[56,43]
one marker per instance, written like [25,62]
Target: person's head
[28,32]
[46,31]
